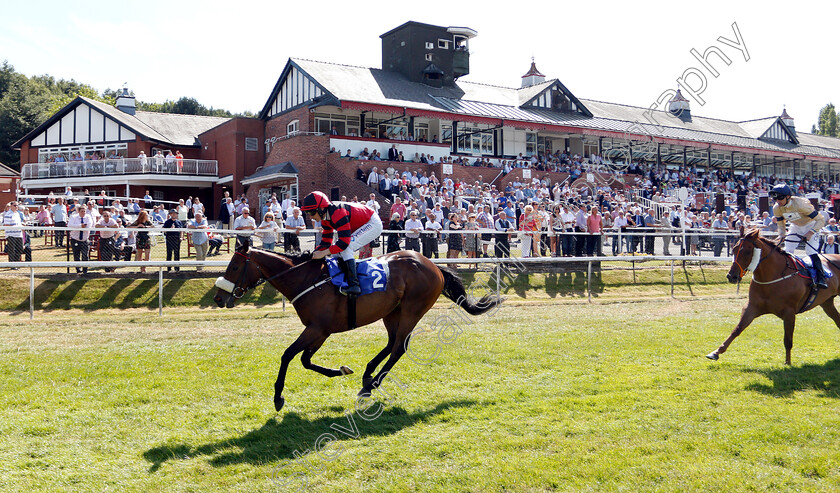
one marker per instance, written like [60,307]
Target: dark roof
[379,87]
[166,128]
[7,171]
[409,23]
[678,97]
[533,71]
[327,96]
[286,168]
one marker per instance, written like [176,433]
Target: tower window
[429,57]
[443,44]
[430,46]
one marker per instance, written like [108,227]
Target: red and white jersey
[343,218]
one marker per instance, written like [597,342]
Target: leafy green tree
[24,106]
[26,102]
[827,121]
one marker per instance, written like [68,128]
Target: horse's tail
[453,288]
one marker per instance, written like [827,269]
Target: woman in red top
[356,225]
[179,160]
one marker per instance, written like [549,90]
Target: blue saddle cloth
[373,274]
[806,262]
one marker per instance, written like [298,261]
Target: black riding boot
[817,263]
[352,278]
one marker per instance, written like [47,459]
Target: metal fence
[55,244]
[120,166]
[495,266]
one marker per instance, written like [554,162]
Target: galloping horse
[776,287]
[413,287]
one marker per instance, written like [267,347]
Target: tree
[827,121]
[26,102]
[24,106]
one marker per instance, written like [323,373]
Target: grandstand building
[418,102]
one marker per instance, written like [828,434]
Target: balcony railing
[122,166]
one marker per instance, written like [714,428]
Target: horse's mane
[755,234]
[296,258]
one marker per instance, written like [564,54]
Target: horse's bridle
[237,290]
[754,264]
[750,267]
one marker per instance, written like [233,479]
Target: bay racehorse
[414,285]
[776,287]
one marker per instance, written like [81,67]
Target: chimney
[125,101]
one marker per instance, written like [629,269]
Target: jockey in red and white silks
[355,225]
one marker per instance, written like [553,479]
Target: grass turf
[540,396]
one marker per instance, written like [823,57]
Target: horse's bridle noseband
[237,290]
[735,255]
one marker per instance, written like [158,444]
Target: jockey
[806,221]
[356,225]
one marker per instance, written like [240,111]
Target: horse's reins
[757,259]
[237,288]
[752,267]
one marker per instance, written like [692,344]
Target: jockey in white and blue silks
[805,221]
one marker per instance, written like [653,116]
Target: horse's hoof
[278,403]
[712,356]
[364,393]
[367,382]
[345,370]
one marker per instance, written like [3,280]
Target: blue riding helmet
[780,191]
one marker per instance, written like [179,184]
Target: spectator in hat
[173,238]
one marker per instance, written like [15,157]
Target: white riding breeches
[362,236]
[796,234]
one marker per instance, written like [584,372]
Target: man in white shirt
[59,213]
[373,204]
[413,227]
[106,237]
[79,238]
[242,223]
[431,236]
[294,224]
[197,207]
[14,236]
[373,178]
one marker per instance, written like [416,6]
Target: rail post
[498,279]
[672,279]
[160,291]
[31,293]
[589,280]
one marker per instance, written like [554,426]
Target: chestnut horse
[776,287]
[414,285]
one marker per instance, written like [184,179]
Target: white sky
[230,54]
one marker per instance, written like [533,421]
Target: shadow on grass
[64,298]
[788,380]
[280,439]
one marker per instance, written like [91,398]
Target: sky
[230,54]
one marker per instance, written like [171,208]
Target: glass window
[446,134]
[530,143]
